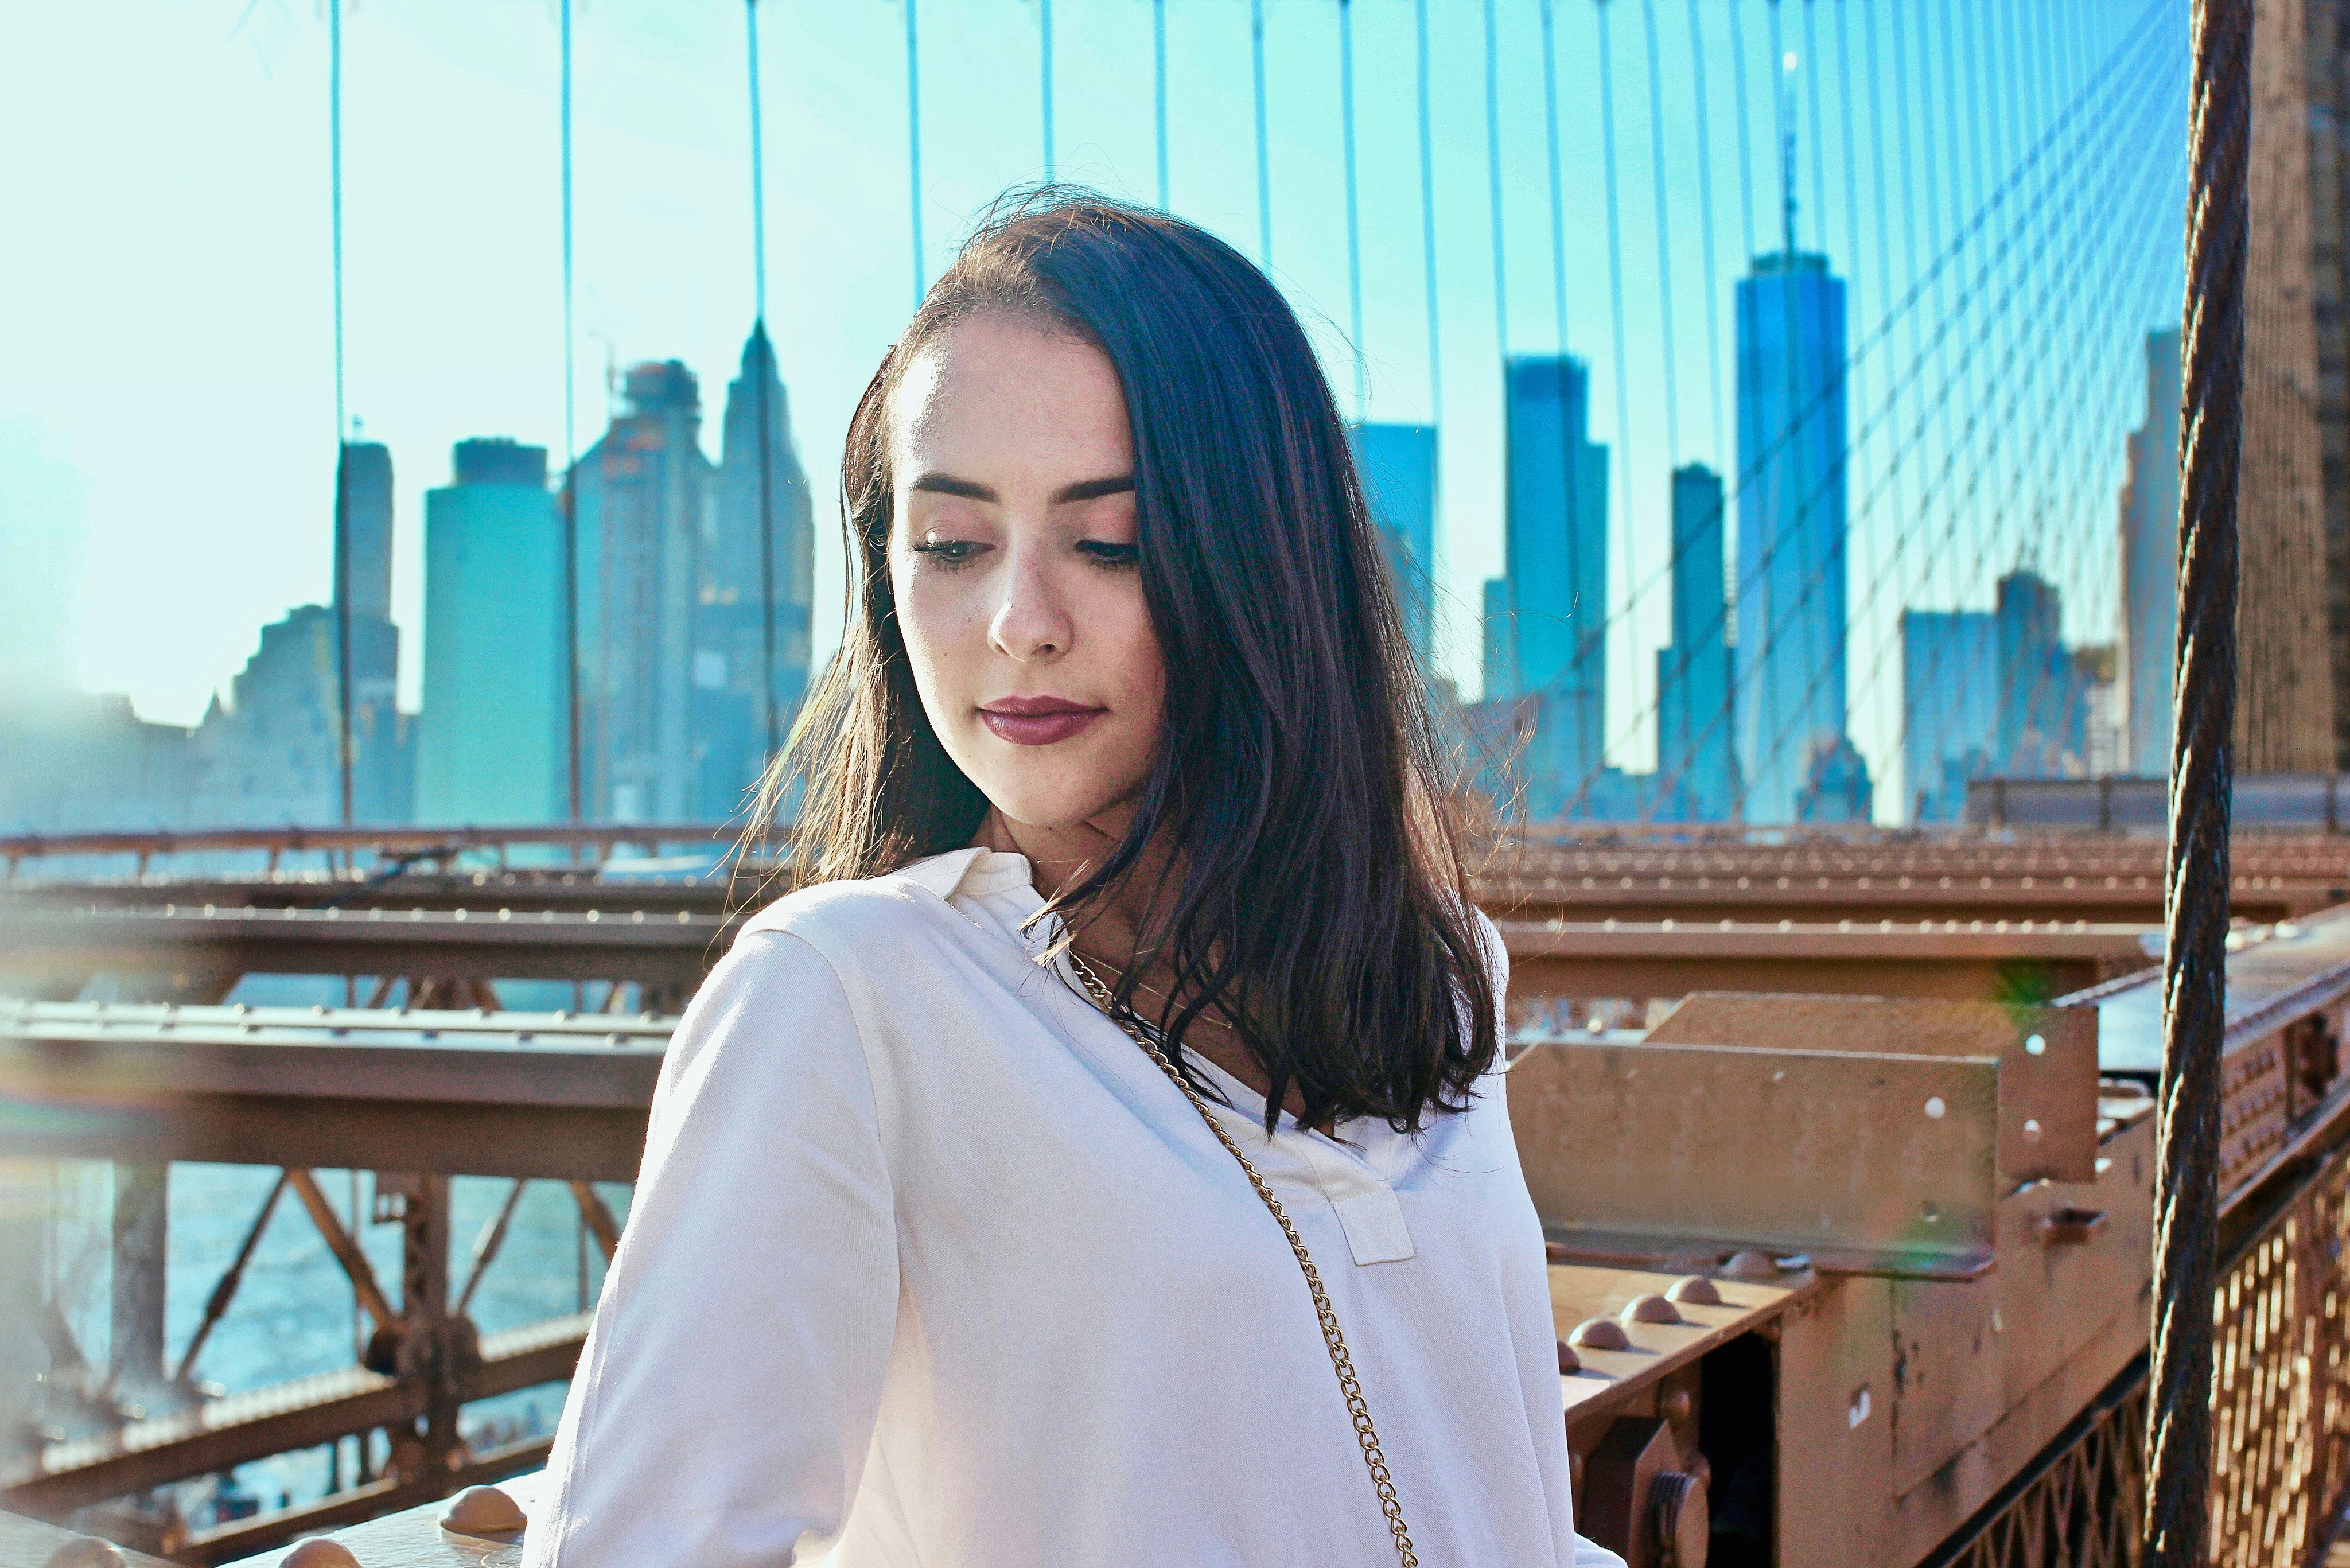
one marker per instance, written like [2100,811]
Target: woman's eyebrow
[1093,489]
[948,484]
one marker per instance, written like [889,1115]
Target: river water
[293,1315]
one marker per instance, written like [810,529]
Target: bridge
[1822,673]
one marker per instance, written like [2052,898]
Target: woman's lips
[1031,722]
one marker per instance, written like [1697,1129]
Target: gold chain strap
[1341,1362]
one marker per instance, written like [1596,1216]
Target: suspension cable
[346,740]
[2202,760]
[1263,153]
[914,148]
[570,456]
[1354,216]
[1427,224]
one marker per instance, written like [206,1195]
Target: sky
[167,343]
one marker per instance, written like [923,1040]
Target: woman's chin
[1062,813]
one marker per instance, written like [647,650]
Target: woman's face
[1013,559]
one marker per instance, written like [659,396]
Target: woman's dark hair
[1309,891]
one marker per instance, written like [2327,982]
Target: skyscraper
[1553,642]
[2042,719]
[1949,708]
[1497,655]
[1696,771]
[1789,664]
[367,564]
[642,505]
[267,755]
[1396,465]
[363,572]
[730,626]
[2149,557]
[491,746]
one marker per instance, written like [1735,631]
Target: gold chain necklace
[1341,1362]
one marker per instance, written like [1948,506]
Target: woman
[1129,868]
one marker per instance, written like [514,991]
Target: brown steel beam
[521,1095]
[240,1427]
[1642,960]
[383,840]
[39,945]
[355,1265]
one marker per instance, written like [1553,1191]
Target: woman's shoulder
[852,920]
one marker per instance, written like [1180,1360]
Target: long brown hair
[1308,889]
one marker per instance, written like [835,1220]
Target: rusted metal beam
[514,1094]
[598,1217]
[39,945]
[1875,1162]
[239,1428]
[389,839]
[355,1265]
[2024,963]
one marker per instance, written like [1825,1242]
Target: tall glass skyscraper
[641,506]
[1396,465]
[363,572]
[2150,565]
[1553,642]
[730,632]
[492,742]
[1697,772]
[1949,708]
[1789,663]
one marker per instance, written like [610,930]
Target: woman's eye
[947,552]
[1104,553]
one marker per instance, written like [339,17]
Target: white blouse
[929,1264]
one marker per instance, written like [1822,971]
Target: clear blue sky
[166,398]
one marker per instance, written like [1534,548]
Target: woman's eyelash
[947,552]
[1109,554]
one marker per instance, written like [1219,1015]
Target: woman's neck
[1110,930]
[1058,858]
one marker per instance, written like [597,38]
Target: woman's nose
[1031,622]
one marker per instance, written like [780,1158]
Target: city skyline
[1098,143]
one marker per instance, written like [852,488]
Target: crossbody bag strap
[1350,1387]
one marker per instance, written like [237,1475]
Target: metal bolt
[1600,1334]
[1694,1290]
[1649,1309]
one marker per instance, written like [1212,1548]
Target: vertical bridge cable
[1501,300]
[345,742]
[1705,231]
[1559,309]
[766,353]
[1745,132]
[2195,884]
[1353,219]
[1656,183]
[1623,463]
[1158,88]
[1427,224]
[570,459]
[914,145]
[1045,75]
[1557,187]
[1263,153]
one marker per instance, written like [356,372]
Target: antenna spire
[1787,174]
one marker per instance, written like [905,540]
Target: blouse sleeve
[726,1396]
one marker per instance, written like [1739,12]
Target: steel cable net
[1980,443]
